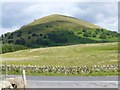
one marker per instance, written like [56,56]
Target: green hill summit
[57,18]
[56,30]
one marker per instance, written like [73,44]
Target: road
[71,82]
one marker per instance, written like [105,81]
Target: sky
[16,14]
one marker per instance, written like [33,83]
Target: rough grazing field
[74,55]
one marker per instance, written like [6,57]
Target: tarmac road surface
[71,82]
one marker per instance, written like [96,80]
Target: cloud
[17,14]
[43,9]
[4,30]
[13,15]
[0,14]
[102,14]
[59,1]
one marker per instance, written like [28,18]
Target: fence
[60,69]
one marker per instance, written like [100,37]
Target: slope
[57,30]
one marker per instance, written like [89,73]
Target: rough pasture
[81,59]
[74,55]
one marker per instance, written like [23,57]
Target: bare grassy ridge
[56,17]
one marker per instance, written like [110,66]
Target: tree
[115,34]
[43,41]
[57,38]
[80,32]
[41,34]
[10,41]
[6,34]
[103,36]
[34,34]
[10,36]
[11,48]
[2,36]
[47,26]
[94,35]
[29,32]
[29,37]
[84,30]
[45,36]
[86,34]
[102,30]
[19,34]
[108,33]
[20,41]
[98,30]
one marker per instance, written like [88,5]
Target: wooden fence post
[24,78]
[6,69]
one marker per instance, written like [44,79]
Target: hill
[57,17]
[55,30]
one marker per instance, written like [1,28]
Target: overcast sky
[16,14]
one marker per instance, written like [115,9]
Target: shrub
[29,37]
[19,34]
[41,34]
[45,36]
[86,34]
[43,41]
[34,34]
[1,37]
[47,26]
[56,38]
[10,37]
[20,41]
[29,32]
[108,33]
[10,41]
[93,35]
[6,34]
[103,36]
[102,30]
[98,30]
[84,30]
[80,32]
[11,48]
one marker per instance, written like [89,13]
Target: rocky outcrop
[5,84]
[13,83]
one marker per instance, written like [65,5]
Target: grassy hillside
[74,55]
[57,17]
[56,30]
[74,60]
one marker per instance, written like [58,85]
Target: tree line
[12,47]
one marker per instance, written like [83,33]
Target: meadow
[81,55]
[74,55]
